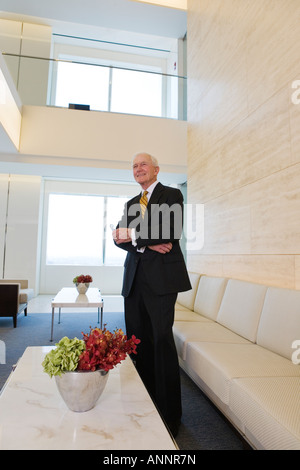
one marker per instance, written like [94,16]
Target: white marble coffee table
[68,297]
[34,416]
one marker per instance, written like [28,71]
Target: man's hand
[162,248]
[122,235]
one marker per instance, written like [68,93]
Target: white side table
[68,297]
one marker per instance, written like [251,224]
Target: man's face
[144,172]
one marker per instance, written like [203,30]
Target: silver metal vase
[80,390]
[82,287]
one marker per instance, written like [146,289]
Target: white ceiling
[87,19]
[123,15]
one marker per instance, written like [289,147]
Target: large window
[109,89]
[116,77]
[79,230]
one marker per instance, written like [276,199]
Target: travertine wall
[244,137]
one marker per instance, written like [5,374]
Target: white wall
[3,207]
[106,278]
[108,138]
[30,75]
[10,38]
[22,237]
[33,73]
[10,109]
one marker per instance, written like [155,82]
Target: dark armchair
[9,301]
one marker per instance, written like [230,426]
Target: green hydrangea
[64,357]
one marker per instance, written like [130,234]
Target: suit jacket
[162,223]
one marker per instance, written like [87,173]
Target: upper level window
[124,79]
[136,92]
[109,89]
[82,84]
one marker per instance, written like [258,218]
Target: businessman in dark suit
[154,273]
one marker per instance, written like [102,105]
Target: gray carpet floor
[202,426]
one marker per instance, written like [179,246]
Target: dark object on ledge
[9,302]
[82,107]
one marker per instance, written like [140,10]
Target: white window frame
[152,61]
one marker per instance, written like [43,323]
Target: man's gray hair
[153,159]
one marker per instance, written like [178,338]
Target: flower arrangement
[82,279]
[100,349]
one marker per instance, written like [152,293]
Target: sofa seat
[218,363]
[207,331]
[269,408]
[187,315]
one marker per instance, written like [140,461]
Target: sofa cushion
[218,363]
[209,296]
[241,307]
[187,298]
[25,295]
[269,408]
[206,330]
[187,315]
[279,323]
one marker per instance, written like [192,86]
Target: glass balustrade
[96,86]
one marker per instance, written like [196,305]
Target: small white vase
[81,390]
[82,287]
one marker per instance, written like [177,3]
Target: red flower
[105,349]
[82,279]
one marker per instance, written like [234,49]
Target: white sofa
[235,339]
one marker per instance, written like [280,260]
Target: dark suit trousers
[150,318]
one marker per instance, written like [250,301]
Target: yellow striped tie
[144,202]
